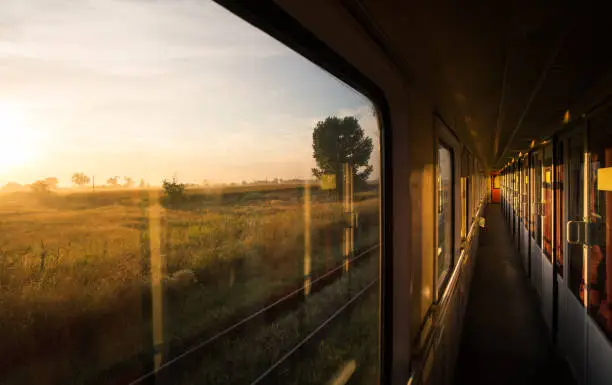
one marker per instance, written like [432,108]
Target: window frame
[270,18]
[447,139]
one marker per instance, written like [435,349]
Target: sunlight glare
[17,142]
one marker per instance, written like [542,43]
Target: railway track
[316,334]
[182,353]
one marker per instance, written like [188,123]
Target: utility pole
[93,185]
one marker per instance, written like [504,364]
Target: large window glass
[516,203]
[532,195]
[538,197]
[464,209]
[600,217]
[521,187]
[525,191]
[575,211]
[465,181]
[445,213]
[559,204]
[176,183]
[547,200]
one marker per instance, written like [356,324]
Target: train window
[465,198]
[160,198]
[547,199]
[464,209]
[445,213]
[559,222]
[532,195]
[537,170]
[600,216]
[473,187]
[575,212]
[515,193]
[525,191]
[520,188]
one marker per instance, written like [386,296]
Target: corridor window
[158,185]
[547,200]
[445,210]
[532,196]
[600,218]
[538,196]
[525,192]
[464,209]
[575,212]
[559,222]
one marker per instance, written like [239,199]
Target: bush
[40,187]
[173,190]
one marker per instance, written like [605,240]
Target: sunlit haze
[155,89]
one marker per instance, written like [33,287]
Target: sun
[17,142]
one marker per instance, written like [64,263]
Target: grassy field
[75,268]
[352,336]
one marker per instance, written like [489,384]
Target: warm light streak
[307,257]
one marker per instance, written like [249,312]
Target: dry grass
[75,268]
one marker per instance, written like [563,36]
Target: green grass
[243,358]
[75,268]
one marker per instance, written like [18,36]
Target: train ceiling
[509,69]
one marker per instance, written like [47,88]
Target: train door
[495,193]
[572,313]
[535,176]
[598,266]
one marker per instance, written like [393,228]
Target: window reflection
[559,204]
[575,211]
[539,198]
[548,207]
[445,212]
[600,215]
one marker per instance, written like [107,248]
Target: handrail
[455,275]
[440,308]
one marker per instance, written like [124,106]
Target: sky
[157,88]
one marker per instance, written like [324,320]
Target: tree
[80,179]
[142,183]
[113,181]
[51,183]
[337,142]
[40,187]
[129,182]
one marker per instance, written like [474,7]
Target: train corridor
[505,339]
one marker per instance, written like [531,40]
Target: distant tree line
[80,179]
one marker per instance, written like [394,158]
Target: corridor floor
[505,340]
